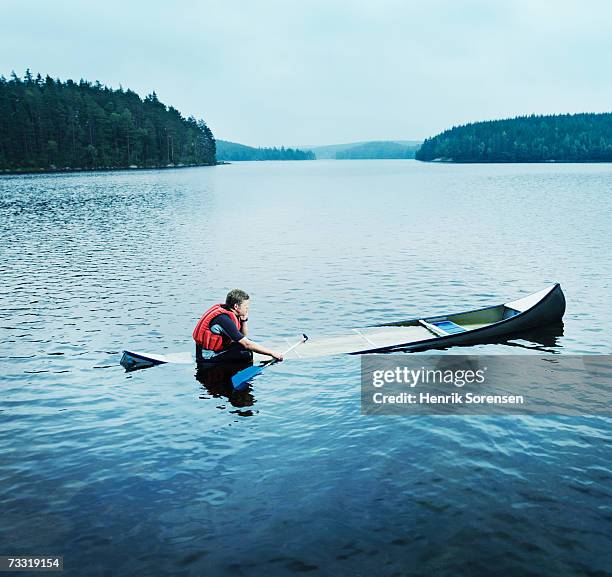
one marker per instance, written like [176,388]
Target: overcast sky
[266,72]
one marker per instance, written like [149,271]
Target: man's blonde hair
[236,297]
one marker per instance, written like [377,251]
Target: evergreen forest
[554,138]
[47,124]
[233,151]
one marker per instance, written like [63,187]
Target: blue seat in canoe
[448,327]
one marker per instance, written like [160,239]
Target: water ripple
[162,476]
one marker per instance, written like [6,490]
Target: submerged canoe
[538,309]
[477,326]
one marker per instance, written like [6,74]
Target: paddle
[240,379]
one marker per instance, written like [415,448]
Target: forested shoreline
[239,152]
[377,150]
[552,138]
[50,125]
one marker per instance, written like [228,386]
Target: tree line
[380,150]
[559,138]
[49,124]
[233,151]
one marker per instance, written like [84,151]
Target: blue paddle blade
[240,379]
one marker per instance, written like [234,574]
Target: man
[221,333]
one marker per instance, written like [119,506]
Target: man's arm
[229,328]
[244,327]
[253,346]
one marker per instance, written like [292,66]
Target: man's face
[242,310]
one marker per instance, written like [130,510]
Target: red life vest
[202,334]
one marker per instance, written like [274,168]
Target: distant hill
[554,138]
[233,151]
[364,149]
[378,150]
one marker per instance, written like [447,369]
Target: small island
[554,138]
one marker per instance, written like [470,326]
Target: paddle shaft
[241,377]
[272,361]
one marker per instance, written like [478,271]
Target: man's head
[238,301]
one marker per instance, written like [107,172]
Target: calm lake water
[151,473]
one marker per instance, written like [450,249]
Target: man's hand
[277,356]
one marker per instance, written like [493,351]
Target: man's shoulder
[221,315]
[224,319]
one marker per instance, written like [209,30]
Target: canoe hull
[133,361]
[545,311]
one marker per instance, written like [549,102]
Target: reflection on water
[543,339]
[217,382]
[155,473]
